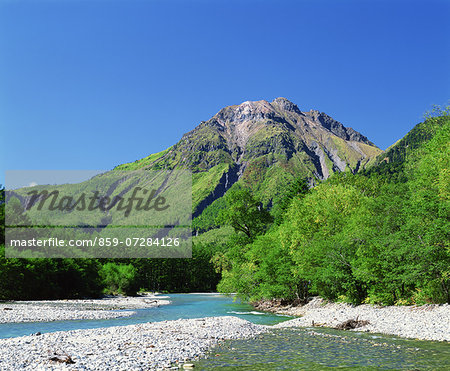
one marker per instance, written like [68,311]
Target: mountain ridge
[257,140]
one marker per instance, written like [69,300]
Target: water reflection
[318,349]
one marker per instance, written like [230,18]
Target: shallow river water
[182,306]
[321,349]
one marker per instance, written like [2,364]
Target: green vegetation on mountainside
[204,183]
[391,163]
[143,163]
[263,146]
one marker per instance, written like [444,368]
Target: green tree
[317,234]
[119,278]
[298,188]
[2,215]
[15,213]
[244,213]
[275,274]
[428,216]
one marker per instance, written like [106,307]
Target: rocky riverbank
[135,347]
[62,310]
[426,322]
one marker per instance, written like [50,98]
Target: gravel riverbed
[170,344]
[135,347]
[426,322]
[63,310]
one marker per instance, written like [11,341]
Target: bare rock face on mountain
[263,145]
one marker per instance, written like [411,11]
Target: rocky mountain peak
[285,105]
[241,125]
[263,144]
[337,128]
[249,110]
[256,110]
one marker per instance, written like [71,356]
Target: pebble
[135,347]
[427,322]
[64,310]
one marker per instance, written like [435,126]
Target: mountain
[264,145]
[391,163]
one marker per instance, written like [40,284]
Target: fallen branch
[62,359]
[351,324]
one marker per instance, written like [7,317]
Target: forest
[378,236]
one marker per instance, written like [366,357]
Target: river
[303,348]
[181,306]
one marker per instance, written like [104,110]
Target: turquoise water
[182,306]
[321,349]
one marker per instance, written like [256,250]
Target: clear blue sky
[92,84]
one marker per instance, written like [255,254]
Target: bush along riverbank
[425,322]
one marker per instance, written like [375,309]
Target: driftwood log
[62,359]
[351,324]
